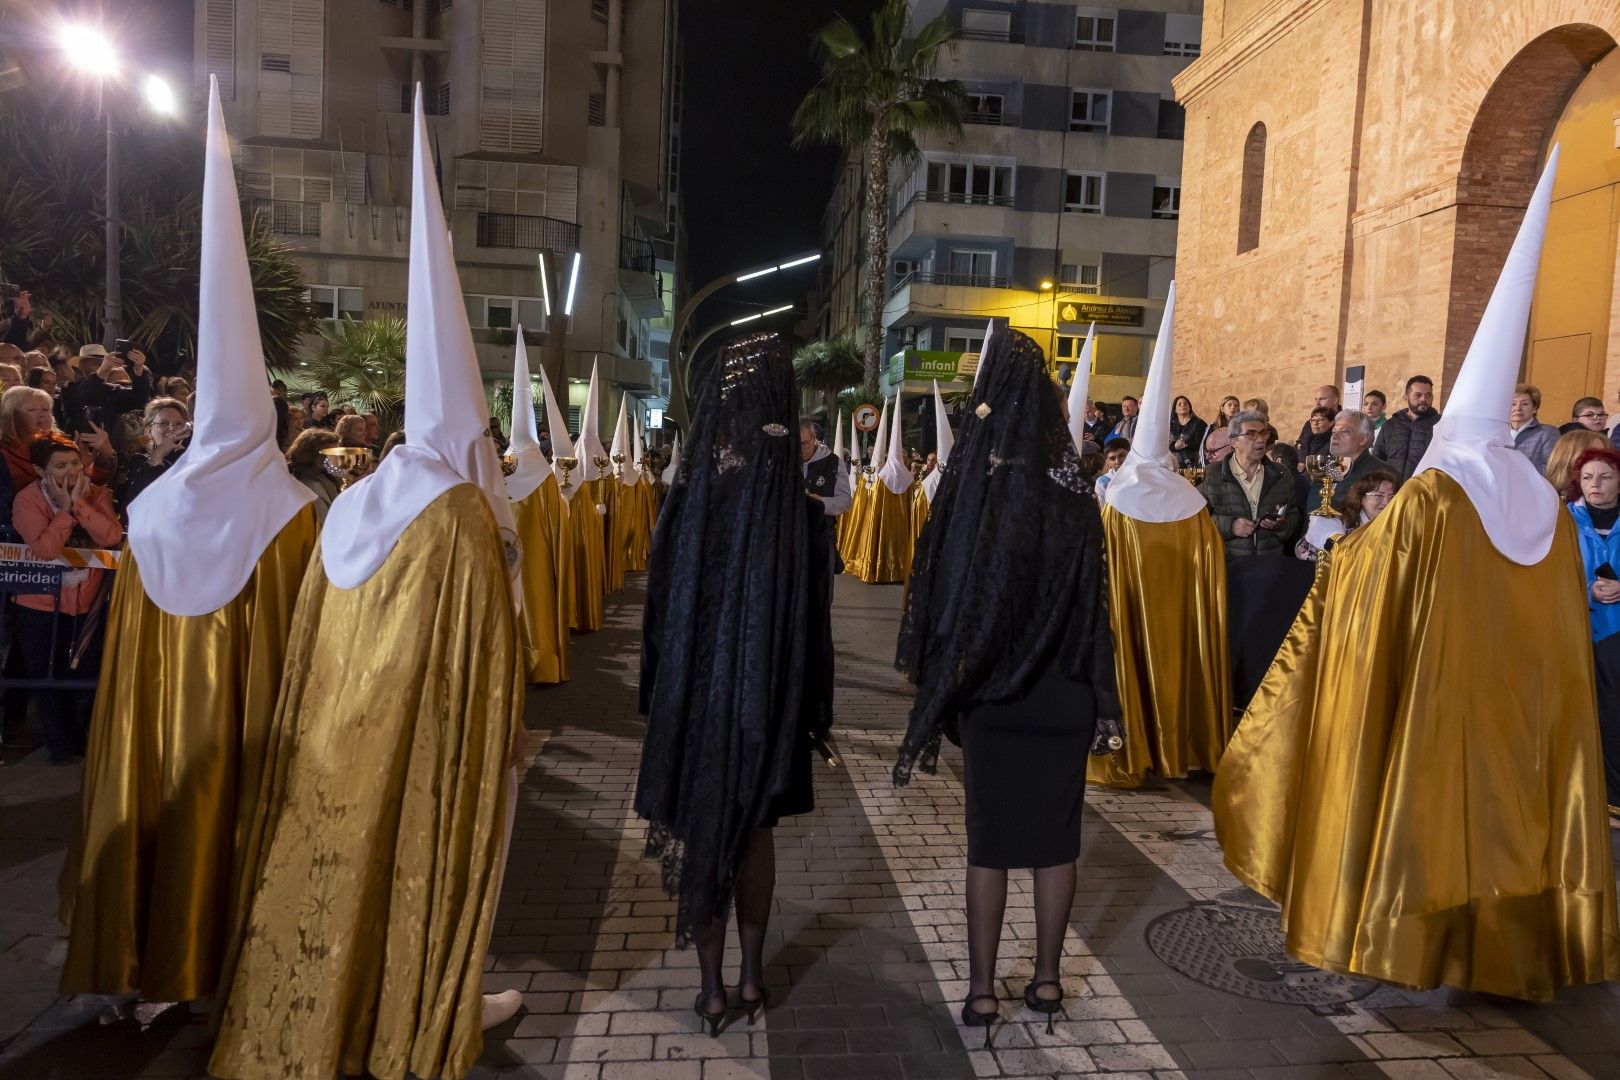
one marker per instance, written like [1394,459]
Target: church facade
[1354,173]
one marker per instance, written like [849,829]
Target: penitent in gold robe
[607,490]
[383,815]
[1418,781]
[1167,607]
[882,548]
[587,530]
[171,780]
[638,502]
[850,523]
[543,623]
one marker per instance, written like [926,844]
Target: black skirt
[1025,775]
[1606,658]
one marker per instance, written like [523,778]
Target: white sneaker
[499,1008]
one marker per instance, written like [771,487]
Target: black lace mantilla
[1009,578]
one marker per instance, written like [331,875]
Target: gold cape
[607,492]
[383,815]
[1167,600]
[177,741]
[641,503]
[920,506]
[562,550]
[851,523]
[543,625]
[587,533]
[881,550]
[1437,703]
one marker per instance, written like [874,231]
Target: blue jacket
[1595,551]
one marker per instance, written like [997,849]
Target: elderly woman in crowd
[1319,439]
[1594,503]
[1187,430]
[308,467]
[1560,471]
[25,415]
[60,509]
[1218,442]
[165,429]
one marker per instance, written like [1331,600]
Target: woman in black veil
[729,726]
[1006,635]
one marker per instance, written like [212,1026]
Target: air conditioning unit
[904,268]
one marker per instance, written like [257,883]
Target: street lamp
[88,49]
[718,327]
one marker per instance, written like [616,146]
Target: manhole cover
[1240,950]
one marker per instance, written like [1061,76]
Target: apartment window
[970,182]
[498,187]
[292,61]
[336,302]
[982,108]
[1172,120]
[596,108]
[1088,111]
[980,25]
[1068,347]
[219,44]
[511,91]
[1167,200]
[1182,34]
[1253,190]
[1083,192]
[1081,277]
[504,312]
[599,10]
[964,340]
[973,267]
[1094,30]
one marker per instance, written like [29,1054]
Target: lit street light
[718,327]
[88,49]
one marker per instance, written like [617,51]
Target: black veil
[1009,578]
[723,635]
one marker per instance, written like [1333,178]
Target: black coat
[1228,503]
[1403,440]
[1194,430]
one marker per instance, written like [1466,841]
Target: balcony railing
[945,277]
[528,231]
[637,255]
[957,198]
[287,218]
[1006,36]
[992,119]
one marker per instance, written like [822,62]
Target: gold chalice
[566,465]
[618,464]
[508,464]
[347,463]
[1320,467]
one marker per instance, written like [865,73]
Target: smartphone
[1607,571]
[122,346]
[93,415]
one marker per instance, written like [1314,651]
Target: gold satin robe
[588,540]
[383,816]
[920,506]
[1418,781]
[633,508]
[1167,607]
[562,550]
[177,742]
[543,623]
[647,497]
[882,548]
[851,522]
[616,526]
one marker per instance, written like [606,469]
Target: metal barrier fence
[24,574]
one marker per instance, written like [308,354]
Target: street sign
[866,417]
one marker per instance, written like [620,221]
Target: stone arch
[1251,200]
[1500,160]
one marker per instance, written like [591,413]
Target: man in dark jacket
[1351,441]
[1406,435]
[116,385]
[1251,498]
[1327,397]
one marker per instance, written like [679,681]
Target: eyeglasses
[1589,415]
[1251,434]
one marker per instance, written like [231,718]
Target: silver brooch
[775,430]
[983,410]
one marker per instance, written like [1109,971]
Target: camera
[10,292]
[122,346]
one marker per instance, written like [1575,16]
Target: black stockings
[756,886]
[986,907]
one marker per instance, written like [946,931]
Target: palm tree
[829,366]
[876,96]
[363,364]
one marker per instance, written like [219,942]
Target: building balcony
[991,119]
[1005,37]
[529,232]
[637,255]
[287,218]
[936,277]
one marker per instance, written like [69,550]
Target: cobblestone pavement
[867,957]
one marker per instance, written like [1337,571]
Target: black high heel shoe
[972,1017]
[1050,1006]
[707,1019]
[755,1006]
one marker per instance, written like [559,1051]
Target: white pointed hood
[1472,442]
[589,446]
[984,349]
[838,435]
[944,443]
[674,466]
[557,426]
[880,440]
[446,417]
[532,466]
[1079,387]
[854,443]
[1147,487]
[621,454]
[894,474]
[638,446]
[199,531]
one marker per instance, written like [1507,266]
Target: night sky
[749,196]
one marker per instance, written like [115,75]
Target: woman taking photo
[727,687]
[1006,635]
[1594,494]
[1187,431]
[165,430]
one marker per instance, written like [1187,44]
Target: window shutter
[562,192]
[389,93]
[219,45]
[512,77]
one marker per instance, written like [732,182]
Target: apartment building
[556,132]
[1057,205]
